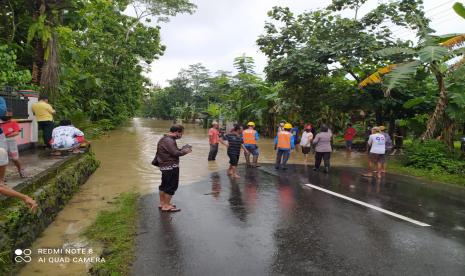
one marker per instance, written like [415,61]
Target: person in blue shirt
[295,133]
[3,107]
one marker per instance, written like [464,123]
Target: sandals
[159,207]
[171,210]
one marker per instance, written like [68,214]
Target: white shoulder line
[368,205]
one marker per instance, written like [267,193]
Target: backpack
[155,161]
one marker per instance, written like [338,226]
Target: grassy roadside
[116,230]
[395,166]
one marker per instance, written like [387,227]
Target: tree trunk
[438,115]
[38,61]
[448,133]
[50,71]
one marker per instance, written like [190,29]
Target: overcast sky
[221,30]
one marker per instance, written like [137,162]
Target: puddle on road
[125,156]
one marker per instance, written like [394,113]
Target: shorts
[169,181]
[12,148]
[233,159]
[306,150]
[253,149]
[3,157]
[375,158]
[349,143]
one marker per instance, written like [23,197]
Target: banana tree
[435,54]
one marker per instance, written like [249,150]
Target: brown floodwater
[125,156]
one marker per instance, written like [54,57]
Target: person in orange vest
[250,137]
[284,143]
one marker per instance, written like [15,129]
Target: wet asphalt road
[270,223]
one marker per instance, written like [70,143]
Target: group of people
[64,137]
[285,141]
[238,139]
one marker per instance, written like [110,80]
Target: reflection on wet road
[267,223]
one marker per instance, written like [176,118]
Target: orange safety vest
[284,139]
[249,136]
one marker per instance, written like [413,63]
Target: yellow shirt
[43,111]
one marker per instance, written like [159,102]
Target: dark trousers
[213,152]
[282,156]
[322,155]
[169,181]
[47,129]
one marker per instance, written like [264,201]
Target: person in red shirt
[11,129]
[213,139]
[349,136]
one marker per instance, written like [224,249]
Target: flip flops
[171,210]
[174,206]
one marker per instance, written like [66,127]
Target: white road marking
[368,205]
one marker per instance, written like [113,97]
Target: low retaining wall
[52,189]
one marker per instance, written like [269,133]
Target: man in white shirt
[377,145]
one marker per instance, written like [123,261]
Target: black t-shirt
[234,142]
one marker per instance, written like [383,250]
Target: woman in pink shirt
[213,138]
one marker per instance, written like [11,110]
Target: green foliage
[456,88]
[401,74]
[431,53]
[9,74]
[432,155]
[459,9]
[244,64]
[40,30]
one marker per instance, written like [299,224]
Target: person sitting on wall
[11,129]
[5,190]
[66,137]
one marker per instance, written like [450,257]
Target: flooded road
[125,156]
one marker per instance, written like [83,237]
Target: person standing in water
[322,143]
[234,145]
[376,154]
[250,137]
[349,135]
[213,139]
[306,141]
[284,143]
[388,146]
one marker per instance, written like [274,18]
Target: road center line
[368,205]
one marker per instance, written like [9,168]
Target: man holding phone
[167,156]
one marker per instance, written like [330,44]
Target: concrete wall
[52,189]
